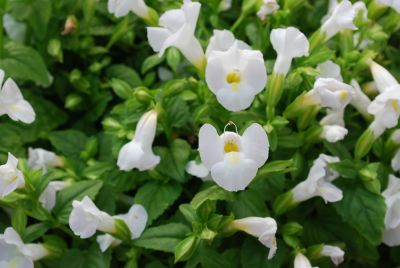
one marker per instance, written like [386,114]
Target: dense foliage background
[91,80]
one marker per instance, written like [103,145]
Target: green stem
[238,22]
[2,11]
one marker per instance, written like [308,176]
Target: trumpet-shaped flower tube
[233,159]
[40,158]
[268,7]
[198,170]
[138,153]
[13,103]
[121,8]
[335,253]
[301,261]
[86,218]
[14,253]
[382,77]
[333,126]
[262,228]
[319,182]
[10,177]
[236,76]
[391,235]
[360,101]
[222,40]
[48,197]
[177,30]
[288,43]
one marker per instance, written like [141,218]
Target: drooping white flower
[333,126]
[391,235]
[135,219]
[360,101]
[386,110]
[331,93]
[268,7]
[342,18]
[48,197]
[233,159]
[262,228]
[13,103]
[14,253]
[331,7]
[40,158]
[395,163]
[329,69]
[236,76]
[301,261]
[222,40]
[10,177]
[395,4]
[121,8]
[138,153]
[335,253]
[198,170]
[382,77]
[319,182]
[86,218]
[177,30]
[288,43]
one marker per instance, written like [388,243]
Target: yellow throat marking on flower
[230,146]
[395,105]
[343,95]
[233,79]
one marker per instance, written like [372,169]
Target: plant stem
[2,11]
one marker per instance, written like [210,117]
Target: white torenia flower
[11,178]
[233,159]
[386,110]
[342,18]
[177,30]
[222,40]
[382,77]
[138,153]
[198,170]
[135,219]
[329,69]
[262,228]
[335,253]
[331,7]
[48,197]
[395,163]
[395,4]
[268,7]
[391,235]
[331,93]
[360,100]
[301,261]
[288,43]
[121,8]
[333,126]
[236,76]
[41,158]
[319,182]
[14,253]
[86,218]
[13,103]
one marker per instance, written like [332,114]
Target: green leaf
[125,73]
[346,168]
[69,142]
[163,238]
[157,197]
[91,258]
[178,113]
[278,166]
[75,192]
[213,193]
[363,210]
[249,203]
[21,62]
[254,254]
[151,62]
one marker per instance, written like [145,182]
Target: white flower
[14,253]
[301,261]
[135,219]
[395,163]
[395,4]
[268,7]
[288,43]
[333,126]
[10,177]
[329,69]
[177,30]
[40,158]
[360,100]
[331,7]
[383,79]
[198,170]
[360,6]
[319,182]
[13,103]
[335,253]
[233,159]
[222,40]
[15,30]
[138,153]
[48,197]
[262,228]
[385,108]
[121,8]
[342,18]
[236,76]
[331,93]
[86,218]
[391,235]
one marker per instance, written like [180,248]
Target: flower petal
[255,144]
[210,146]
